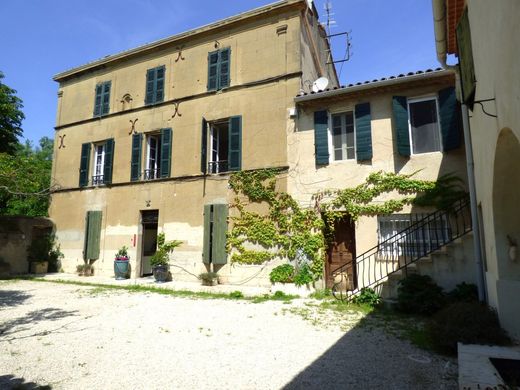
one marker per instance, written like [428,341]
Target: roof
[173,38]
[454,10]
[420,75]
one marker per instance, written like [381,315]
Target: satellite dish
[320,84]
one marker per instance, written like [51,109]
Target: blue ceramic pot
[122,269]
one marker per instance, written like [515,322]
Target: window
[225,145]
[99,165]
[219,69]
[393,242]
[101,169]
[343,138]
[155,85]
[102,100]
[153,157]
[424,125]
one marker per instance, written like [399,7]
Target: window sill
[426,153]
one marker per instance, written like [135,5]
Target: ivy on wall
[287,230]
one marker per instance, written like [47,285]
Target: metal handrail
[396,253]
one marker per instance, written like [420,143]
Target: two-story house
[145,139]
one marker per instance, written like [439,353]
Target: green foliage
[419,294]
[282,274]
[236,295]
[208,276]
[367,296]
[304,276]
[322,294]
[122,252]
[45,248]
[164,248]
[468,323]
[11,117]
[464,292]
[251,257]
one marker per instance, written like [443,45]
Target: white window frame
[332,159]
[156,168]
[101,166]
[418,100]
[214,134]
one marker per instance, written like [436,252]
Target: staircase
[381,267]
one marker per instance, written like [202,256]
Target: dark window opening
[219,147]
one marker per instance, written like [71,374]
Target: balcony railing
[218,166]
[151,174]
[98,180]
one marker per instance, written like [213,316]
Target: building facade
[146,139]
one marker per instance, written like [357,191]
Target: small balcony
[151,174]
[218,166]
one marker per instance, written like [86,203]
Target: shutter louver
[224,61]
[98,100]
[321,138]
[166,151]
[213,63]
[109,161]
[400,109]
[206,246]
[204,147]
[106,98]
[450,117]
[84,165]
[92,235]
[218,241]
[159,85]
[235,143]
[135,165]
[150,86]
[363,132]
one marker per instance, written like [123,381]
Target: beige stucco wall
[495,36]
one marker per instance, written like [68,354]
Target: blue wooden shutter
[235,143]
[219,233]
[400,108]
[166,151]
[363,132]
[135,165]
[450,116]
[109,161]
[204,147]
[159,85]
[106,98]
[224,68]
[98,99]
[213,70]
[150,86]
[92,235]
[321,137]
[84,164]
[206,243]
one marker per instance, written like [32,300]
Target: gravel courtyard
[75,337]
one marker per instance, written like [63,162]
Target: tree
[11,118]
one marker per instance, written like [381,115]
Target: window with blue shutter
[450,117]
[135,165]
[400,110]
[235,143]
[215,234]
[92,235]
[155,85]
[204,147]
[109,161]
[363,132]
[321,137]
[219,64]
[84,164]
[102,99]
[166,151]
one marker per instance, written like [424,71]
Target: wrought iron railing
[151,174]
[218,166]
[98,180]
[421,238]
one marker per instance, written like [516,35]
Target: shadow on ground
[10,298]
[369,356]
[10,382]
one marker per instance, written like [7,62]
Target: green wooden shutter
[224,68]
[135,165]
[98,99]
[166,152]
[321,137]
[92,235]
[150,86]
[106,98]
[84,164]
[109,161]
[218,242]
[204,147]
[400,108]
[467,67]
[450,116]
[213,70]
[363,132]
[235,143]
[159,85]
[206,246]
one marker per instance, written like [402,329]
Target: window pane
[351,154]
[425,129]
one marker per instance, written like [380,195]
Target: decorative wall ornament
[217,44]
[132,130]
[61,139]
[148,203]
[179,55]
[176,108]
[126,101]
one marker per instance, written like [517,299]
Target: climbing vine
[287,230]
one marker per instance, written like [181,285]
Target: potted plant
[160,260]
[44,255]
[209,278]
[122,264]
[85,269]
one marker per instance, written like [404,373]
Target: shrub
[304,276]
[464,292]
[161,256]
[468,323]
[367,296]
[282,274]
[236,295]
[419,294]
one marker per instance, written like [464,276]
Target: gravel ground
[72,337]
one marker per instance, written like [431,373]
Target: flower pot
[161,273]
[121,269]
[39,267]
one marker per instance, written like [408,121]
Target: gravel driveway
[73,337]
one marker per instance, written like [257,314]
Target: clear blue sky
[41,38]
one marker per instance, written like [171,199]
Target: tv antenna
[328,25]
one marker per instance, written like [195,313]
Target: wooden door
[342,253]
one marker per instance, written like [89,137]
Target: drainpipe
[439,16]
